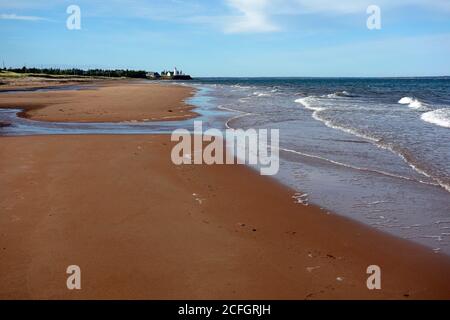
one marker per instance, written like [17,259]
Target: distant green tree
[79,72]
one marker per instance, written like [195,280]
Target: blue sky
[232,37]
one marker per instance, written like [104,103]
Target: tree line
[80,72]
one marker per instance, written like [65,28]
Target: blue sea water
[375,150]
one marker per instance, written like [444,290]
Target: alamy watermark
[73,21]
[258,147]
[74,280]
[374,280]
[374,20]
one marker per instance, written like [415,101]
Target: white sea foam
[413,103]
[301,198]
[415,167]
[261,94]
[309,103]
[440,117]
[349,166]
[339,94]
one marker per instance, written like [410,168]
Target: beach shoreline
[20,83]
[141,227]
[103,101]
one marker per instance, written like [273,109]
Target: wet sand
[23,82]
[141,227]
[105,101]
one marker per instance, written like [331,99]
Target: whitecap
[339,94]
[412,103]
[309,103]
[343,94]
[261,94]
[440,117]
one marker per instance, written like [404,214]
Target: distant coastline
[60,74]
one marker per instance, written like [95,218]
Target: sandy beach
[141,227]
[112,101]
[24,82]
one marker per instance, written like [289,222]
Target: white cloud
[252,17]
[13,16]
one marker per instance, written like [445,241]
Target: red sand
[141,227]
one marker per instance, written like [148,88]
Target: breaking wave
[344,93]
[261,94]
[440,117]
[412,103]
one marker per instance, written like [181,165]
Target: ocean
[375,150]
[372,149]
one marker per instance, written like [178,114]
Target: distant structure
[153,75]
[172,75]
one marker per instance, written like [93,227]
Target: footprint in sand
[243,225]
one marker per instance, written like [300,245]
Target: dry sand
[112,101]
[141,227]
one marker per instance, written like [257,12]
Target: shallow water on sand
[208,114]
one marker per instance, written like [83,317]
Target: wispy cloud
[13,16]
[252,17]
